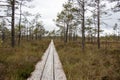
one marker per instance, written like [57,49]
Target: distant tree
[67,18]
[116,31]
[2,29]
[115,28]
[52,34]
[60,22]
[39,30]
[99,6]
[89,30]
[116,8]
[98,24]
[81,11]
[67,21]
[12,2]
[21,3]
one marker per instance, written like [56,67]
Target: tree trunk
[27,34]
[94,40]
[3,32]
[19,36]
[98,17]
[36,36]
[83,26]
[66,35]
[3,36]
[12,25]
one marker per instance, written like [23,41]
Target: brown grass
[17,63]
[94,64]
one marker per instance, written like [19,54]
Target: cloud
[48,10]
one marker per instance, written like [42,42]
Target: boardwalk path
[49,68]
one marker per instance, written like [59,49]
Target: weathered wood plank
[50,67]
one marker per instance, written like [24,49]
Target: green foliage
[67,21]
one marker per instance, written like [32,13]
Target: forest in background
[79,18]
[84,52]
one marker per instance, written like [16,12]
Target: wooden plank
[59,73]
[50,67]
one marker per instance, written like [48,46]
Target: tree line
[21,24]
[85,16]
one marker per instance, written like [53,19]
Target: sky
[48,10]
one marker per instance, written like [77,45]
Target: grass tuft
[93,64]
[17,63]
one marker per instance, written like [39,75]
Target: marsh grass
[17,63]
[93,64]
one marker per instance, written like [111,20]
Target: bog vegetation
[93,64]
[84,52]
[17,63]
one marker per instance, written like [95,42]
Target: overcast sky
[48,10]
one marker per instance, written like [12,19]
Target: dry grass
[94,64]
[17,63]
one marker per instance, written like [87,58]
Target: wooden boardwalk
[49,68]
